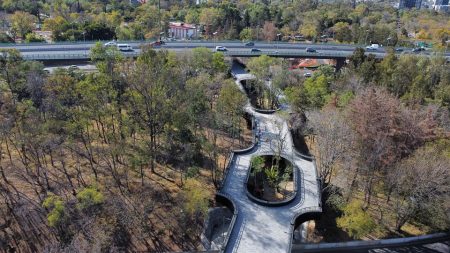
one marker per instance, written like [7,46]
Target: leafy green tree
[247,34]
[22,23]
[32,37]
[218,63]
[355,221]
[202,58]
[230,105]
[342,32]
[317,90]
[196,199]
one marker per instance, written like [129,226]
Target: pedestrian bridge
[257,227]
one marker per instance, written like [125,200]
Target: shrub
[355,221]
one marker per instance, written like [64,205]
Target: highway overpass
[80,50]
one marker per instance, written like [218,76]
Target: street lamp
[367,35]
[279,38]
[215,38]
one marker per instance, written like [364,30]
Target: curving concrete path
[261,228]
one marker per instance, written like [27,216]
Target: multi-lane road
[80,50]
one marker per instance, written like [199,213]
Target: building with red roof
[180,30]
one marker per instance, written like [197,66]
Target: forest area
[124,159]
[380,131]
[338,21]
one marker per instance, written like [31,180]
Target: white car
[110,44]
[124,47]
[221,49]
[307,74]
[373,47]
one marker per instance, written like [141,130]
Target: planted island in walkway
[271,179]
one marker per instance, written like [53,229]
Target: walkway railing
[374,244]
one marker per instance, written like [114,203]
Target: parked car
[221,49]
[307,74]
[110,44]
[250,44]
[373,47]
[399,50]
[124,47]
[255,50]
[310,50]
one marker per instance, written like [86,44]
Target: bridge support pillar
[340,62]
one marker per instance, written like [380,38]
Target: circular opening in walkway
[271,178]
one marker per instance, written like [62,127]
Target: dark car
[157,43]
[249,44]
[418,49]
[399,50]
[311,50]
[254,50]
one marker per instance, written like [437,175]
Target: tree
[333,141]
[342,32]
[218,63]
[317,90]
[196,199]
[384,134]
[149,95]
[355,221]
[22,23]
[89,197]
[257,163]
[308,30]
[211,18]
[247,34]
[269,31]
[419,180]
[261,67]
[230,105]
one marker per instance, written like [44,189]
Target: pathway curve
[262,228]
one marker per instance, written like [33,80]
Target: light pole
[279,38]
[367,35]
[215,38]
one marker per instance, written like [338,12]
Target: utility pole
[159,18]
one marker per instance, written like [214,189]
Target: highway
[80,50]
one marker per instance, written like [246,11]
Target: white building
[181,30]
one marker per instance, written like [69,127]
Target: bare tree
[385,133]
[333,141]
[418,180]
